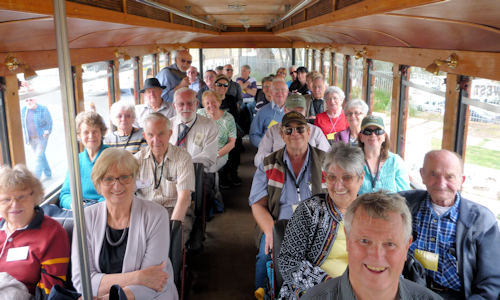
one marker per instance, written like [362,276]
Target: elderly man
[195,133]
[378,235]
[272,140]
[209,84]
[455,239]
[166,172]
[154,103]
[271,113]
[195,83]
[286,177]
[37,126]
[293,74]
[247,84]
[315,101]
[299,85]
[174,76]
[234,88]
[264,96]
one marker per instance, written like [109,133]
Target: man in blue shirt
[455,239]
[174,76]
[37,126]
[271,113]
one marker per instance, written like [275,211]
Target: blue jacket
[260,123]
[477,247]
[42,120]
[170,77]
[88,190]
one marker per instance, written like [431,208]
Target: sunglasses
[294,72]
[228,70]
[218,84]
[368,131]
[186,61]
[290,130]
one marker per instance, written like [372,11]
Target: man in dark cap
[153,102]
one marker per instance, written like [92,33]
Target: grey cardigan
[477,242]
[147,245]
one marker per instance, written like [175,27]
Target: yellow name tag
[331,136]
[428,259]
[271,124]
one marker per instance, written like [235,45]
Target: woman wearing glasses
[332,121]
[355,111]
[384,170]
[314,246]
[127,238]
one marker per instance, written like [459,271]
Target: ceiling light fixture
[12,64]
[451,62]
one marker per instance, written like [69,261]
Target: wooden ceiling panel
[37,34]
[478,11]
[9,15]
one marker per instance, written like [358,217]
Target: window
[45,156]
[339,70]
[147,66]
[326,66]
[482,154]
[163,60]
[195,54]
[300,57]
[424,128]
[357,78]
[382,90]
[126,75]
[95,87]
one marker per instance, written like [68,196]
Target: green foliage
[477,155]
[381,100]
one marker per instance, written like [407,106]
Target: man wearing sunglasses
[291,174]
[174,76]
[234,88]
[272,140]
[293,74]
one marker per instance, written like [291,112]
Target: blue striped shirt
[437,234]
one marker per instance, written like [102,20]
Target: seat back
[199,190]
[177,254]
[278,235]
[67,224]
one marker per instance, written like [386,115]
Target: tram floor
[225,269]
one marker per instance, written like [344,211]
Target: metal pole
[68,105]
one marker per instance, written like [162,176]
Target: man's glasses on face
[368,131]
[290,130]
[228,70]
[186,61]
[293,72]
[218,84]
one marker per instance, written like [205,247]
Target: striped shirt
[160,182]
[131,143]
[437,234]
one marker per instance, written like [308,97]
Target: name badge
[271,124]
[331,136]
[294,207]
[428,259]
[19,253]
[198,139]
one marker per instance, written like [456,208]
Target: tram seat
[67,224]
[278,235]
[177,254]
[199,197]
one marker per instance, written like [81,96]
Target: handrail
[174,11]
[68,105]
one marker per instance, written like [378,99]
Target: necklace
[117,243]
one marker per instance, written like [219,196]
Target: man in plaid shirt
[455,239]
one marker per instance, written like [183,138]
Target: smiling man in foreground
[378,235]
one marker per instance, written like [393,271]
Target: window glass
[126,75]
[326,66]
[356,77]
[424,128]
[317,61]
[263,61]
[147,66]
[339,70]
[163,60]
[300,57]
[195,53]
[95,87]
[4,140]
[482,154]
[382,90]
[43,134]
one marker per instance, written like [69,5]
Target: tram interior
[374,50]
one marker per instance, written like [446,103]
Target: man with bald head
[174,76]
[455,239]
[234,88]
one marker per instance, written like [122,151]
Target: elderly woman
[90,129]
[126,136]
[281,73]
[30,242]
[332,121]
[314,246]
[384,170]
[355,111]
[225,122]
[127,238]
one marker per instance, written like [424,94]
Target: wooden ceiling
[27,25]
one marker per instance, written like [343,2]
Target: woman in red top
[333,119]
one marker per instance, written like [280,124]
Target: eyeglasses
[124,179]
[186,61]
[228,70]
[5,201]
[344,179]
[368,131]
[289,130]
[356,113]
[218,84]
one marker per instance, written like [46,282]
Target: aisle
[226,267]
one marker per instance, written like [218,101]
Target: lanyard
[157,184]
[333,124]
[297,187]
[128,140]
[374,179]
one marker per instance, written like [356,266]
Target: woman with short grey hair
[332,121]
[354,110]
[122,115]
[314,246]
